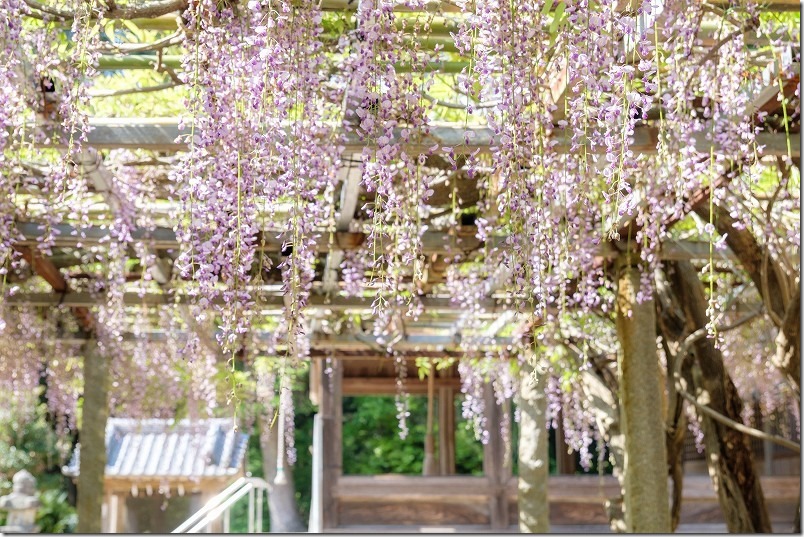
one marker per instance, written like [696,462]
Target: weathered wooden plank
[435,513]
[494,461]
[398,488]
[387,385]
[267,302]
[331,412]
[45,268]
[460,239]
[163,134]
[574,499]
[446,430]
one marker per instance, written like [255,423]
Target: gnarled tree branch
[717,416]
[147,10]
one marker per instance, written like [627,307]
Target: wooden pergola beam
[461,239]
[273,301]
[163,134]
[45,268]
[388,385]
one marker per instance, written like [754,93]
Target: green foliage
[164,103]
[303,469]
[55,514]
[371,443]
[29,443]
[468,451]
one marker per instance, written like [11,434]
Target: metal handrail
[222,508]
[210,505]
[222,503]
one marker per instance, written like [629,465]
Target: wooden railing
[463,501]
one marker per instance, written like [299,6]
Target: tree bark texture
[771,283]
[92,462]
[788,350]
[534,459]
[605,407]
[642,420]
[729,456]
[671,324]
[282,507]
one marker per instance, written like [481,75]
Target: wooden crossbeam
[767,97]
[388,385]
[461,239]
[45,268]
[163,238]
[163,134]
[340,346]
[350,191]
[274,301]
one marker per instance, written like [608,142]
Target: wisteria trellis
[563,87]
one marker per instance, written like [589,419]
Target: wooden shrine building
[445,501]
[159,472]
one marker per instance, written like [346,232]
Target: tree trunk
[646,500]
[282,507]
[671,324]
[92,462]
[788,352]
[769,280]
[534,459]
[729,455]
[603,404]
[676,429]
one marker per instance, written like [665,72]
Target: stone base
[19,529]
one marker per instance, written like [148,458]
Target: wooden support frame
[446,430]
[331,412]
[163,134]
[462,238]
[355,386]
[496,462]
[350,190]
[45,268]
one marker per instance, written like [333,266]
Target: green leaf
[134,29]
[558,18]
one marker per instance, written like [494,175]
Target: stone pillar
[92,436]
[534,457]
[646,499]
[21,505]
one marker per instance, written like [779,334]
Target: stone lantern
[21,505]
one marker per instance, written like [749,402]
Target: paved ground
[682,528]
[584,529]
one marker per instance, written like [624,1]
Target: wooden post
[331,412]
[446,430]
[565,460]
[113,512]
[316,507]
[95,412]
[534,457]
[494,463]
[430,465]
[646,497]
